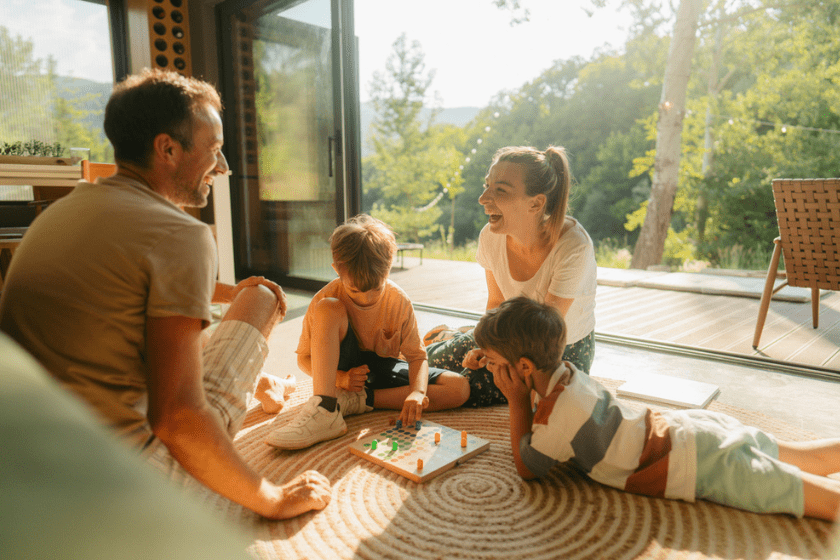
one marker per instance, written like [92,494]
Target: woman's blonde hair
[364,248]
[546,173]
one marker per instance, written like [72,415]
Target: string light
[784,127]
[467,159]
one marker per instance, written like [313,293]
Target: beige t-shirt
[387,327]
[88,272]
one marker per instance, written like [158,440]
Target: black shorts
[385,373]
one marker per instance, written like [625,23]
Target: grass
[437,250]
[610,253]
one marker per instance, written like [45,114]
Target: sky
[77,32]
[470,44]
[473,48]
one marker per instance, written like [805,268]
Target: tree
[34,104]
[413,159]
[782,119]
[27,91]
[651,242]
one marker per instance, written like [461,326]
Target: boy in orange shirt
[355,332]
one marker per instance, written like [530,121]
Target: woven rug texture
[483,510]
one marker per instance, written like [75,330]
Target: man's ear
[166,148]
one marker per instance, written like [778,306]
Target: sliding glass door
[291,98]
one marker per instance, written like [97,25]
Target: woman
[528,247]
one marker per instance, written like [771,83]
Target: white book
[669,390]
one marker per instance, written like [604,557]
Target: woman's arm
[494,293]
[560,304]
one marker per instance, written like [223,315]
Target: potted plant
[35,152]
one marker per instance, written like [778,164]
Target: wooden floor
[714,322]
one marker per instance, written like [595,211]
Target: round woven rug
[483,510]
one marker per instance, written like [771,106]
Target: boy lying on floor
[680,454]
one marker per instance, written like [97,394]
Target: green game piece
[394,446]
[373,445]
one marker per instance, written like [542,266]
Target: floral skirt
[449,353]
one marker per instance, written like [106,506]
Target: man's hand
[474,359]
[353,379]
[280,310]
[306,492]
[412,409]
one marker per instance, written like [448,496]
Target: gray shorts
[739,466]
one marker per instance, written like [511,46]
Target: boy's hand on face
[352,379]
[475,359]
[412,409]
[510,383]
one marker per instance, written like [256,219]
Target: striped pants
[232,360]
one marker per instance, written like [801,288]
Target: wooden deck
[714,322]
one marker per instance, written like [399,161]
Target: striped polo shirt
[636,450]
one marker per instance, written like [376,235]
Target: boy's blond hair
[523,328]
[363,248]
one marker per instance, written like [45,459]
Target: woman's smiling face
[504,198]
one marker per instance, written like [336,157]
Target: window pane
[56,74]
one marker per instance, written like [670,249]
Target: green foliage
[773,67]
[34,106]
[610,253]
[413,161]
[782,120]
[738,257]
[679,248]
[32,148]
[441,250]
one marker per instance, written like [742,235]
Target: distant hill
[93,96]
[96,95]
[458,116]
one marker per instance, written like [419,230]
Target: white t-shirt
[569,271]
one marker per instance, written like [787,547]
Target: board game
[414,453]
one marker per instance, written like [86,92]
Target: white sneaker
[352,402]
[311,425]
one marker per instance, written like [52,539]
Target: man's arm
[183,420]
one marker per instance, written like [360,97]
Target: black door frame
[346,144]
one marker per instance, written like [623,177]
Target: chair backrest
[808,211]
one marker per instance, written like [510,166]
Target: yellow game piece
[419,464]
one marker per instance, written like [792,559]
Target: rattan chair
[808,211]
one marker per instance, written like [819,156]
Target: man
[111,290]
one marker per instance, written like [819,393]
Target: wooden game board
[413,444]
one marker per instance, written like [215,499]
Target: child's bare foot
[273,391]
